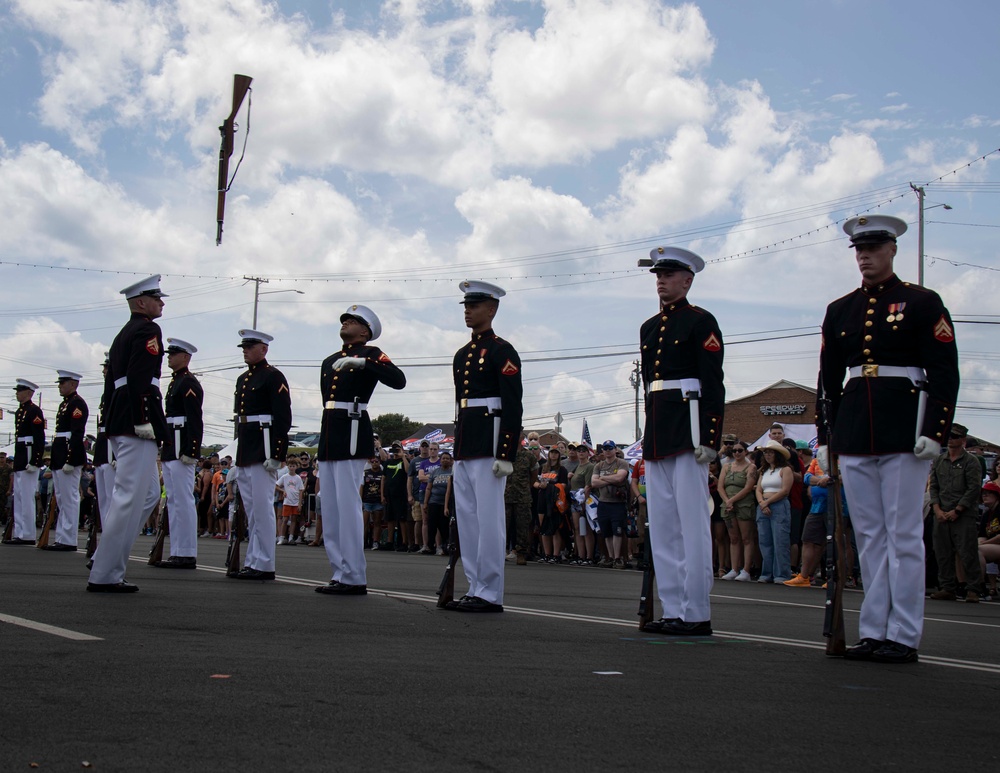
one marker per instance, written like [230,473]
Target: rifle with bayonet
[237,533]
[241,85]
[646,602]
[156,552]
[50,521]
[93,524]
[446,590]
[836,572]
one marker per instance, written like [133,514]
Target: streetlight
[919,190]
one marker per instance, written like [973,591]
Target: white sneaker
[743,576]
[512,556]
[440,552]
[732,574]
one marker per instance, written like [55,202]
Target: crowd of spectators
[570,504]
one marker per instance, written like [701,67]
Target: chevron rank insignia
[77,413]
[509,369]
[153,346]
[282,388]
[943,331]
[712,343]
[383,357]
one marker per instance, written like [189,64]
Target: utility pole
[257,280]
[635,380]
[919,190]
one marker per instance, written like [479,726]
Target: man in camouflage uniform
[517,500]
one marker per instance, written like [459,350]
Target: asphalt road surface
[198,672]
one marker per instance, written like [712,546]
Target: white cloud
[895,108]
[840,97]
[595,73]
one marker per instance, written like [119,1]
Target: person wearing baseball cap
[895,341]
[681,361]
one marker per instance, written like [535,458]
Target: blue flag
[586,435]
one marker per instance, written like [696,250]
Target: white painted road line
[45,628]
[971,665]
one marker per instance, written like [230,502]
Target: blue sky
[398,148]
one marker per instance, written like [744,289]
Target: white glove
[189,460]
[704,454]
[271,465]
[30,468]
[823,457]
[114,464]
[926,448]
[502,469]
[145,431]
[350,363]
[68,468]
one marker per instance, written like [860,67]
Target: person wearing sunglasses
[736,486]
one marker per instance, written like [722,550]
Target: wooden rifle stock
[648,574]
[50,521]
[833,622]
[241,84]
[156,552]
[446,590]
[8,530]
[92,528]
[237,533]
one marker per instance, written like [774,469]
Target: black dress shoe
[656,626]
[863,650]
[90,564]
[342,589]
[112,587]
[453,604]
[680,628]
[476,604]
[254,574]
[58,547]
[18,541]
[893,652]
[178,562]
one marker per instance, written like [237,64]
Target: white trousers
[479,513]
[136,492]
[885,496]
[105,477]
[256,487]
[343,525]
[178,480]
[23,506]
[67,488]
[680,535]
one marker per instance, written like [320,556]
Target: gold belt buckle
[869,371]
[463,403]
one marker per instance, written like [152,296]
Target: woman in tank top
[736,485]
[774,515]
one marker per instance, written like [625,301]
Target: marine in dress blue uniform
[681,353]
[347,380]
[134,424]
[179,454]
[488,392]
[895,342]
[263,408]
[104,471]
[68,457]
[29,446]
